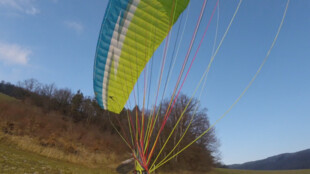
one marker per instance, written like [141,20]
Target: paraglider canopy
[130,33]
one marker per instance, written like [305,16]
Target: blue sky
[54,41]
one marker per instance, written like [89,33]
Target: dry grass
[84,157]
[14,160]
[55,136]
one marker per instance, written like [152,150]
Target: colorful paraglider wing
[130,32]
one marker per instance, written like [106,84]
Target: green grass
[230,171]
[4,97]
[16,161]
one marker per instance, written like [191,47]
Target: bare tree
[30,84]
[47,90]
[192,123]
[63,96]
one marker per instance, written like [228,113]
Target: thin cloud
[77,27]
[22,6]
[32,11]
[14,54]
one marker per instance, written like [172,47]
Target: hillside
[286,161]
[20,154]
[54,135]
[66,125]
[4,97]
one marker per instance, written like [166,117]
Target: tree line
[201,156]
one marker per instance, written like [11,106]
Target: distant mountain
[286,161]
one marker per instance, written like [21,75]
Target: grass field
[6,98]
[230,171]
[17,161]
